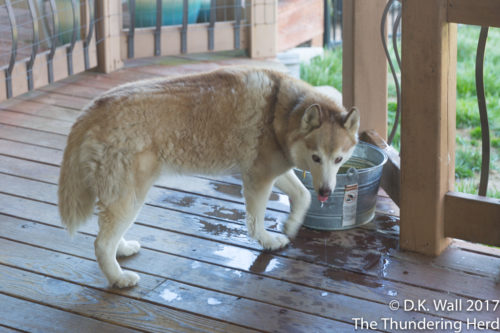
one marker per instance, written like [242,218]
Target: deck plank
[51,98]
[104,306]
[458,259]
[33,122]
[72,89]
[5,329]
[28,316]
[40,109]
[194,273]
[75,270]
[33,137]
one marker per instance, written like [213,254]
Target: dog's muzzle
[324,193]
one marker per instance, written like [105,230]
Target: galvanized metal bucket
[353,202]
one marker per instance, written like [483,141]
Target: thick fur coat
[257,122]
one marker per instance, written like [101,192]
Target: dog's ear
[311,118]
[351,120]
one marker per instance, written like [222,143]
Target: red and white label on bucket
[350,205]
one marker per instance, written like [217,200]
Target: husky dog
[257,122]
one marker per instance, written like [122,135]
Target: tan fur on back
[206,123]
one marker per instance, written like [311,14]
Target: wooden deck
[199,270]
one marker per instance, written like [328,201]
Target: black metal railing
[394,7]
[13,54]
[332,23]
[236,8]
[43,17]
[483,112]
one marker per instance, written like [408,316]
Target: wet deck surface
[199,270]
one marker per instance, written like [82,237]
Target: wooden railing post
[263,28]
[429,52]
[364,71]
[108,28]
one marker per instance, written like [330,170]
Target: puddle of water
[358,279]
[273,264]
[384,265]
[229,189]
[195,264]
[213,301]
[265,262]
[170,296]
[237,258]
[324,294]
[225,213]
[392,293]
[186,201]
[223,230]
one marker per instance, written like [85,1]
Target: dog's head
[326,140]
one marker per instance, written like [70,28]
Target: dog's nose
[325,191]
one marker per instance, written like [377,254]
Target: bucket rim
[379,165]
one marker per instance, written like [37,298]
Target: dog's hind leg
[115,218]
[300,200]
[256,196]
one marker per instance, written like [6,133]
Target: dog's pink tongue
[322,198]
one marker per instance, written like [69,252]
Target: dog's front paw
[128,248]
[126,280]
[291,228]
[274,242]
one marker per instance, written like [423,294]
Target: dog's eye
[338,160]
[316,158]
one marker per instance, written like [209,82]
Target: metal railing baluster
[391,65]
[131,29]
[211,26]
[237,23]
[185,12]
[395,28]
[159,21]
[53,40]
[34,45]
[69,50]
[13,52]
[327,23]
[483,112]
[88,38]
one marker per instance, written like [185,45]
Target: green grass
[467,162]
[327,70]
[470,186]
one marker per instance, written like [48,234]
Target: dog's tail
[77,192]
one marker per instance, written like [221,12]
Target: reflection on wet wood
[199,269]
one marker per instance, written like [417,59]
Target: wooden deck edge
[472,218]
[391,174]
[476,248]
[475,12]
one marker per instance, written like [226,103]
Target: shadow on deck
[199,270]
